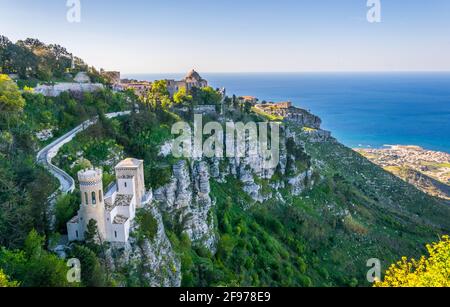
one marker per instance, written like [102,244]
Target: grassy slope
[397,218]
[326,236]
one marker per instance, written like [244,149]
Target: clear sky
[148,36]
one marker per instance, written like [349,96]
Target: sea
[362,110]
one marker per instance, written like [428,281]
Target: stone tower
[133,168]
[92,199]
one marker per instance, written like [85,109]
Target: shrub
[148,225]
[431,271]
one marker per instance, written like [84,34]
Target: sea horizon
[361,109]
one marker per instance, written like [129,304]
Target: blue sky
[147,36]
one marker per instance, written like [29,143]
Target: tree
[65,208]
[91,234]
[34,266]
[11,101]
[23,61]
[92,273]
[5,283]
[148,226]
[5,62]
[431,271]
[226,246]
[182,97]
[160,87]
[33,245]
[158,97]
[206,96]
[211,96]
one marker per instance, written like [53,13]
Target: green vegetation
[355,211]
[205,96]
[66,208]
[25,187]
[34,266]
[431,271]
[148,226]
[182,97]
[33,62]
[5,282]
[93,273]
[11,101]
[267,116]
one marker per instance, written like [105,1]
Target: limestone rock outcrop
[153,259]
[187,201]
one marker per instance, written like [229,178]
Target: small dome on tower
[193,75]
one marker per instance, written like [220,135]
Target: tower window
[125,184]
[115,234]
[94,200]
[86,198]
[76,233]
[100,195]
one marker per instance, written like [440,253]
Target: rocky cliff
[187,202]
[188,206]
[186,198]
[152,261]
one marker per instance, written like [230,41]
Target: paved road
[45,156]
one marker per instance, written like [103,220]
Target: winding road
[45,156]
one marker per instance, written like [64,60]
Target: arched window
[94,200]
[86,198]
[100,195]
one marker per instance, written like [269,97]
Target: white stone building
[115,210]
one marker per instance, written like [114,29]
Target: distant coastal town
[428,170]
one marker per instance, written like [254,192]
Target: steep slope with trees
[343,211]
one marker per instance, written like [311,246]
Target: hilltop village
[280,111]
[190,81]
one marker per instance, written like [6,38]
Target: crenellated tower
[92,199]
[131,169]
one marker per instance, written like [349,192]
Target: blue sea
[361,109]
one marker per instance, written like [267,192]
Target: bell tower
[92,199]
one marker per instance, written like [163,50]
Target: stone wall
[57,89]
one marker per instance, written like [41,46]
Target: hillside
[31,61]
[313,220]
[428,170]
[278,231]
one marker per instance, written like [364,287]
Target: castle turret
[127,169]
[92,199]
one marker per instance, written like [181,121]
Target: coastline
[427,170]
